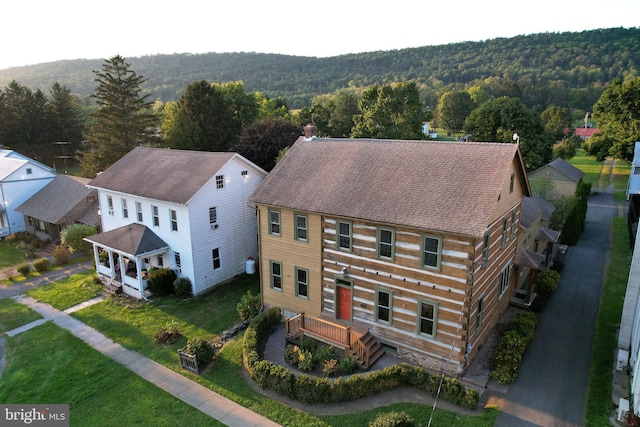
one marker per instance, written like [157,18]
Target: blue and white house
[20,178]
[178,209]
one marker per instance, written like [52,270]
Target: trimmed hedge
[310,389]
[512,347]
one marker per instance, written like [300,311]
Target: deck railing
[319,328]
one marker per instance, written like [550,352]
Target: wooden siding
[291,253]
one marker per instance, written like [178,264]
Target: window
[160,261]
[274,222]
[301,227]
[513,224]
[504,278]
[139,211]
[125,211]
[215,254]
[512,183]
[110,204]
[156,217]
[174,219]
[383,305]
[178,262]
[29,171]
[386,237]
[219,181]
[505,227]
[3,223]
[213,217]
[302,282]
[344,235]
[479,313]
[485,250]
[276,275]
[244,173]
[427,318]
[431,252]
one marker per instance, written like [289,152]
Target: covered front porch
[530,262]
[124,256]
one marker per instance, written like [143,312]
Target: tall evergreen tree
[122,120]
[66,115]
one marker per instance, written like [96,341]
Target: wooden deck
[361,345]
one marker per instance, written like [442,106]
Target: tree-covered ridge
[569,69]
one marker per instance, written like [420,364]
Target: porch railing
[320,329]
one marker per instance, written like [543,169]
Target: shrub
[291,354]
[512,347]
[347,366]
[73,237]
[161,281]
[24,268]
[548,281]
[182,287]
[249,306]
[323,353]
[201,349]
[60,255]
[305,360]
[41,264]
[393,419]
[169,334]
[330,367]
[308,344]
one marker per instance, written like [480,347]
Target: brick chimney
[310,131]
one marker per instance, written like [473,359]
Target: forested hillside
[565,69]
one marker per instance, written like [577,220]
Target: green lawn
[14,314]
[9,255]
[598,407]
[49,365]
[589,165]
[68,292]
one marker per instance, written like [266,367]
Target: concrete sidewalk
[190,392]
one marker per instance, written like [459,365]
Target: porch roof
[529,258]
[133,239]
[547,235]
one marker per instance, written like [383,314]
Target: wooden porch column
[533,276]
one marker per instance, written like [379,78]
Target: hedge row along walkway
[192,393]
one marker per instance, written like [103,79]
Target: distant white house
[20,178]
[178,209]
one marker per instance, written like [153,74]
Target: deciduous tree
[453,109]
[262,141]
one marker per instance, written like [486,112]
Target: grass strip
[14,314]
[68,292]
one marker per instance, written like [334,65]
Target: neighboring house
[405,244]
[64,201]
[536,247]
[20,178]
[562,176]
[633,196]
[586,133]
[178,209]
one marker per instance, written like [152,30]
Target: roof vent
[310,131]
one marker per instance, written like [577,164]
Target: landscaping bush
[201,349]
[305,360]
[548,281]
[249,306]
[182,287]
[161,281]
[347,366]
[512,346]
[322,354]
[330,367]
[41,264]
[393,419]
[169,334]
[24,268]
[60,255]
[291,355]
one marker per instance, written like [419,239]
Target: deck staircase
[111,287]
[360,344]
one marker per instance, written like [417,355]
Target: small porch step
[372,351]
[111,287]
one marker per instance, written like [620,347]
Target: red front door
[344,303]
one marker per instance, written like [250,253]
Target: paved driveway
[551,386]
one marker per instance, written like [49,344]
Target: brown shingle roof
[451,187]
[54,201]
[162,174]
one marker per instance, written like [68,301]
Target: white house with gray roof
[20,178]
[178,209]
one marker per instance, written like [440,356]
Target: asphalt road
[551,386]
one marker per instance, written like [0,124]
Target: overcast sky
[35,31]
